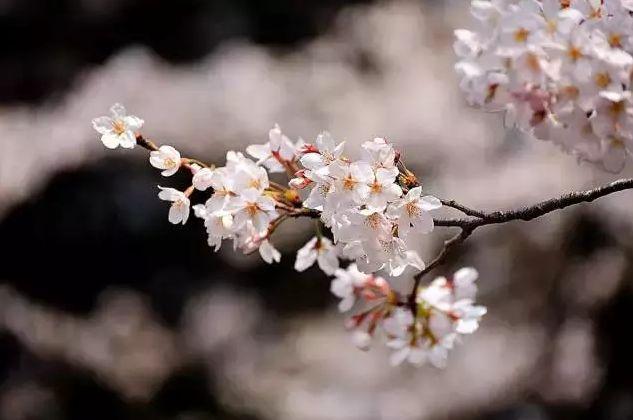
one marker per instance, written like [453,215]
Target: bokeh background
[109,312]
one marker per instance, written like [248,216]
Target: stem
[466,210]
[449,244]
[482,218]
[536,210]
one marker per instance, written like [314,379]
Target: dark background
[82,234]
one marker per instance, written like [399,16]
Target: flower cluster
[374,210]
[560,69]
[363,203]
[441,312]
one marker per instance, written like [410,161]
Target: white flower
[366,225]
[278,149]
[118,129]
[167,158]
[326,152]
[379,153]
[554,70]
[252,207]
[217,221]
[321,250]
[405,338]
[383,189]
[247,175]
[268,252]
[464,286]
[468,316]
[444,310]
[361,339]
[412,212]
[352,180]
[179,210]
[203,179]
[397,324]
[344,286]
[405,350]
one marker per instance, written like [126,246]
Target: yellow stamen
[521,35]
[118,127]
[575,53]
[602,80]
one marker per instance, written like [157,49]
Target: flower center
[615,40]
[170,163]
[349,183]
[602,79]
[617,142]
[373,221]
[328,157]
[570,91]
[521,35]
[376,188]
[118,127]
[252,209]
[533,63]
[574,53]
[616,108]
[412,209]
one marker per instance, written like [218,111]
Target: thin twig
[481,218]
[536,210]
[449,244]
[466,210]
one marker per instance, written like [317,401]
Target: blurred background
[109,312]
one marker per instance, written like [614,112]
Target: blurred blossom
[383,71]
[121,341]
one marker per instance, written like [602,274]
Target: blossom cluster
[424,332]
[560,69]
[373,208]
[364,205]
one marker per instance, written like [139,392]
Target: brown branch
[482,218]
[449,244]
[466,210]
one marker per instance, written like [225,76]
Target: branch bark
[482,218]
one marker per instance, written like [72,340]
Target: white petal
[110,140]
[399,356]
[306,256]
[361,339]
[428,203]
[133,123]
[103,125]
[269,253]
[127,140]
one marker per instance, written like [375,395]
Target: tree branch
[449,244]
[482,218]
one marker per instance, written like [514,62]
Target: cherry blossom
[203,178]
[412,212]
[322,251]
[179,210]
[374,210]
[118,129]
[557,69]
[166,158]
[268,252]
